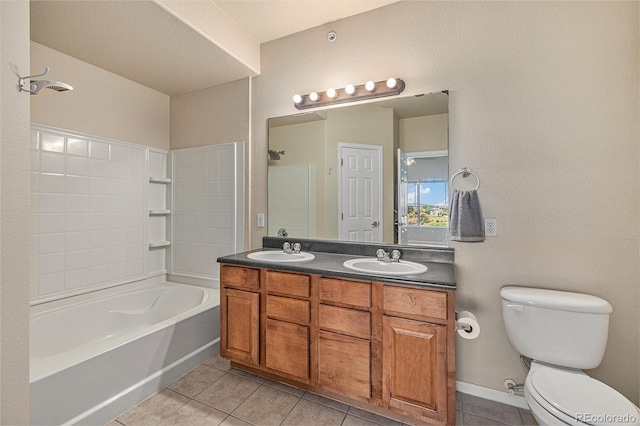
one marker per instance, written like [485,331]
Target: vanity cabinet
[287,324]
[386,345]
[240,310]
[344,337]
[414,354]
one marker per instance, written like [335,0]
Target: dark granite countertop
[440,267]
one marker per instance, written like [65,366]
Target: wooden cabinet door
[344,365]
[414,367]
[287,348]
[240,326]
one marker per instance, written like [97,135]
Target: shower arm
[24,85]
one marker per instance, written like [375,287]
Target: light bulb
[350,89]
[370,86]
[297,99]
[331,93]
[314,96]
[391,83]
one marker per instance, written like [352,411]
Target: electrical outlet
[260,220]
[491,227]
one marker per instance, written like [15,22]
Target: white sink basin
[374,266]
[280,256]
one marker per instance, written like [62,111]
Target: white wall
[14,215]
[101,103]
[544,108]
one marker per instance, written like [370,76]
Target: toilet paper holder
[465,327]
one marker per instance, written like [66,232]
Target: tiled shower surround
[88,200]
[91,224]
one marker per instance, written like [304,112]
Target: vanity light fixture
[351,93]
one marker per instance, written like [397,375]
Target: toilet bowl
[563,333]
[558,396]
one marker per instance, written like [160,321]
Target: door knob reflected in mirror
[375,224]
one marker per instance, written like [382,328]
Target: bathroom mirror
[372,172]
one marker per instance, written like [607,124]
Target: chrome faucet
[296,248]
[383,256]
[395,256]
[286,247]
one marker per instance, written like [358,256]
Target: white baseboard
[491,394]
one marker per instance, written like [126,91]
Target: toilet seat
[575,398]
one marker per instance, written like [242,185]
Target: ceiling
[147,42]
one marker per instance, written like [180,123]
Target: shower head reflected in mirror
[275,155]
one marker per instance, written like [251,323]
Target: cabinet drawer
[349,321]
[425,303]
[356,293]
[344,365]
[286,309]
[287,283]
[236,276]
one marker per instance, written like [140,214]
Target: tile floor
[216,394]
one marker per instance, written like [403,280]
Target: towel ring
[465,172]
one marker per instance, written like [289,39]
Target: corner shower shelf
[164,180]
[159,244]
[159,212]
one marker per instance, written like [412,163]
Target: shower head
[275,155]
[58,86]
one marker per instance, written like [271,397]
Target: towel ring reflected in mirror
[465,172]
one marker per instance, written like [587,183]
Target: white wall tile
[51,142]
[77,166]
[52,183]
[76,240]
[118,153]
[51,243]
[52,162]
[99,150]
[88,211]
[77,147]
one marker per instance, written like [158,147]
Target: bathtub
[94,356]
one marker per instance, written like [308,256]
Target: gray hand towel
[465,218]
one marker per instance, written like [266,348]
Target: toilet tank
[557,327]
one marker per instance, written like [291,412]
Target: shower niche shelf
[159,212]
[159,244]
[161,180]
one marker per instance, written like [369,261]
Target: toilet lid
[583,398]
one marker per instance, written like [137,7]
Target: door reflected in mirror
[374,172]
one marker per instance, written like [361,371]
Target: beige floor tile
[266,406]
[471,420]
[284,387]
[154,409]
[195,413]
[196,381]
[247,375]
[326,401]
[373,417]
[490,410]
[228,392]
[311,414]
[219,363]
[527,418]
[357,421]
[232,421]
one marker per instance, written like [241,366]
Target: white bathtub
[94,357]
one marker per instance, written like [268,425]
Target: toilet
[564,333]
